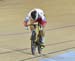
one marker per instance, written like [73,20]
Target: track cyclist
[36,15]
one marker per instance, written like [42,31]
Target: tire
[39,49]
[33,45]
[39,46]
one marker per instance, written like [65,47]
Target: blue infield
[69,56]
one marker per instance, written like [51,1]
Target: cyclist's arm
[26,21]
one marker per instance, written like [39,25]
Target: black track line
[21,33]
[47,54]
[21,50]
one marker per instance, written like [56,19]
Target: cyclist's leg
[43,32]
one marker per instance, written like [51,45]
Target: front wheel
[33,45]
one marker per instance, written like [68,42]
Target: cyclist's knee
[41,32]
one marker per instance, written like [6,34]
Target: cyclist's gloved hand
[26,28]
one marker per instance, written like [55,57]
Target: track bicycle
[36,39]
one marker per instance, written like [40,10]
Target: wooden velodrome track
[14,39]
